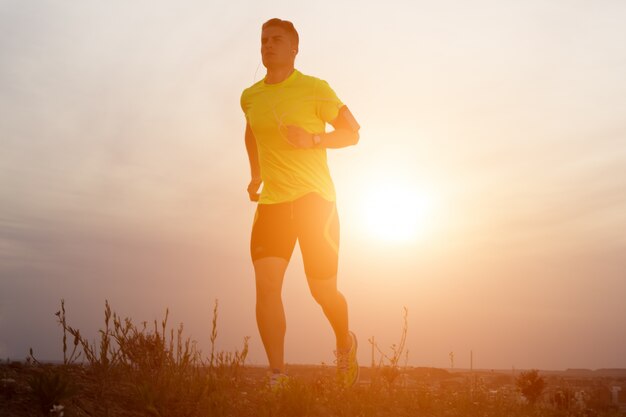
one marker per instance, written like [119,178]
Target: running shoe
[347,365]
[278,381]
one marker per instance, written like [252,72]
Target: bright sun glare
[397,212]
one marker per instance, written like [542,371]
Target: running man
[286,115]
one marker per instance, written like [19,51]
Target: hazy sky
[123,174]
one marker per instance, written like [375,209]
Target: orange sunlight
[393,210]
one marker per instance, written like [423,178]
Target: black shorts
[311,220]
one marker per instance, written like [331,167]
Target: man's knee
[269,274]
[268,284]
[268,293]
[323,291]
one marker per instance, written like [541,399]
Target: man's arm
[346,133]
[255,168]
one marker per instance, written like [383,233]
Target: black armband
[345,120]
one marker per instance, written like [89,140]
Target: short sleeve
[327,102]
[244,103]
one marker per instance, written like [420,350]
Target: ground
[29,390]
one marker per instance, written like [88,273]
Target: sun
[394,211]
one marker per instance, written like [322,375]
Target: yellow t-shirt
[301,100]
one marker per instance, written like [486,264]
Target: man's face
[276,47]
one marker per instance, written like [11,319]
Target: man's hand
[253,189]
[299,137]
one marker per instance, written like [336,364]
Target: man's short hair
[286,25]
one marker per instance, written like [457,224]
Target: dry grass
[142,370]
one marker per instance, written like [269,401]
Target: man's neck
[277,75]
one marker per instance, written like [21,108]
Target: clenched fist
[299,137]
[253,189]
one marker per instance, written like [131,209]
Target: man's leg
[335,308]
[270,314]
[318,227]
